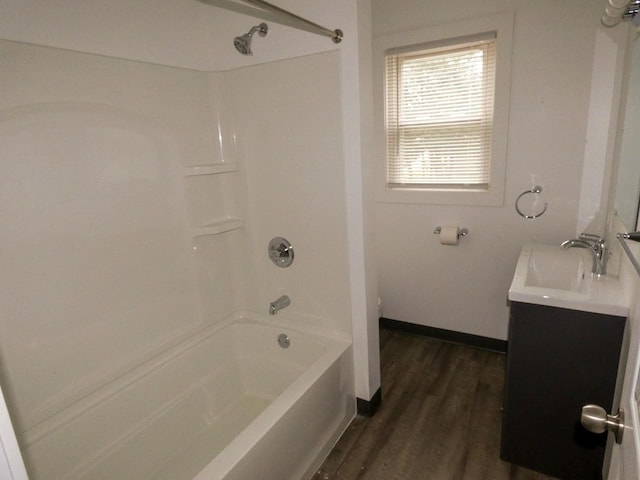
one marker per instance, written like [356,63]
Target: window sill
[462,197]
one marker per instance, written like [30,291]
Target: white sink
[549,266]
[557,277]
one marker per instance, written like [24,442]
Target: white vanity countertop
[556,277]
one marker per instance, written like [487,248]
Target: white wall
[100,269]
[289,144]
[362,212]
[464,288]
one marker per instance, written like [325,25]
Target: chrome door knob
[595,419]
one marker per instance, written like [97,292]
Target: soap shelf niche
[217,226]
[210,169]
[211,198]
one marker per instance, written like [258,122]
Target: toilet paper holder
[462,233]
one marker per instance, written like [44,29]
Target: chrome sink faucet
[279,304]
[596,246]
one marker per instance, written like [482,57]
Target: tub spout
[279,304]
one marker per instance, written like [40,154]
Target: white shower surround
[139,210]
[193,35]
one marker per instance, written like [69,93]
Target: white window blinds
[439,115]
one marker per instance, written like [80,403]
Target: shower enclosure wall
[138,201]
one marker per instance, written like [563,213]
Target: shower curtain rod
[268,11]
[335,35]
[616,10]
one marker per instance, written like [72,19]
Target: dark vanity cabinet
[558,360]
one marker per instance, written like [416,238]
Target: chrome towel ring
[537,189]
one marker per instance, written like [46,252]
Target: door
[11,464]
[625,458]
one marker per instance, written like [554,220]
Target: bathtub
[227,403]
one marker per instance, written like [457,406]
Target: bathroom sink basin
[556,268]
[558,277]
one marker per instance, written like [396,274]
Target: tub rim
[220,465]
[191,340]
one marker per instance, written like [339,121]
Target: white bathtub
[228,403]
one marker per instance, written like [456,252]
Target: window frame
[416,40]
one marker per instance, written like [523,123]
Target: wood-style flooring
[439,418]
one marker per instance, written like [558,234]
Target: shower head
[243,42]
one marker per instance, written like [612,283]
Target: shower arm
[335,35]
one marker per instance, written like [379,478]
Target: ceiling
[180,33]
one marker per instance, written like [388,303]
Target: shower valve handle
[281,252]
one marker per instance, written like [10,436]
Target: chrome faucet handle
[597,243]
[591,237]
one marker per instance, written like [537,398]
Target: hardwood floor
[439,419]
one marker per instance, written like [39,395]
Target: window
[439,115]
[442,115]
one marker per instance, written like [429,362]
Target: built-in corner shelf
[219,225]
[207,198]
[210,169]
